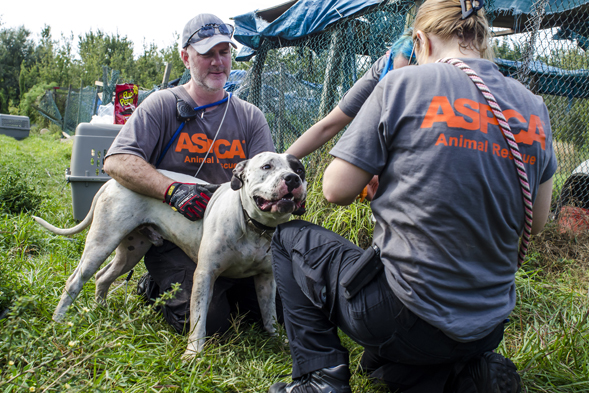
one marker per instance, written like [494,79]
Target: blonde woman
[428,301]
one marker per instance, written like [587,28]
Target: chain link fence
[543,44]
[546,50]
[296,83]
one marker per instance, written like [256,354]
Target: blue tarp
[519,7]
[297,19]
[551,80]
[304,17]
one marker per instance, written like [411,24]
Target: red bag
[573,219]
[125,101]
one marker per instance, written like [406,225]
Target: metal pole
[332,73]
[257,71]
[533,26]
[67,107]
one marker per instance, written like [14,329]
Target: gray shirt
[354,98]
[244,134]
[449,209]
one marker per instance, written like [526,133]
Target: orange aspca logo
[479,119]
[199,143]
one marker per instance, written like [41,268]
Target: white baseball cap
[204,31]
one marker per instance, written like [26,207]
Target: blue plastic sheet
[304,17]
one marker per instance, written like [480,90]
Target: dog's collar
[258,227]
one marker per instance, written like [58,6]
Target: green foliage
[30,100]
[18,191]
[15,49]
[101,49]
[507,49]
[27,67]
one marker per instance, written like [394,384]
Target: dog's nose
[292,181]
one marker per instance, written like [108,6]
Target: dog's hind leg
[129,252]
[91,260]
[100,243]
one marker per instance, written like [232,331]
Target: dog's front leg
[266,293]
[202,290]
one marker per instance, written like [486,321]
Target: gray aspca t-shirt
[354,98]
[449,208]
[244,134]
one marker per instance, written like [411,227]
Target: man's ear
[184,57]
[237,178]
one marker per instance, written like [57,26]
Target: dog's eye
[267,167]
[300,171]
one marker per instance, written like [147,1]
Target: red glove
[190,199]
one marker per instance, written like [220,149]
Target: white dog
[232,240]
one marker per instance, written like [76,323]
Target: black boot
[489,373]
[327,380]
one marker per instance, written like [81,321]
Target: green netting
[48,108]
[79,109]
[109,84]
[77,106]
[296,83]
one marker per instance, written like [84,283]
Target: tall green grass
[127,347]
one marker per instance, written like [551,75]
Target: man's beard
[202,81]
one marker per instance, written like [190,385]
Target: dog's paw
[189,356]
[193,350]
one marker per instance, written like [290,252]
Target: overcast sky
[140,21]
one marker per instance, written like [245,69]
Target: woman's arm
[541,206]
[319,133]
[342,182]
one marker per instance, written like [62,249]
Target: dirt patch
[555,251]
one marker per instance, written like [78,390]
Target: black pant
[168,264]
[400,348]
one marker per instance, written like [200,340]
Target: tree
[100,49]
[15,49]
[508,50]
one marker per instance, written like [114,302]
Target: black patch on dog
[296,165]
[237,178]
[130,238]
[130,248]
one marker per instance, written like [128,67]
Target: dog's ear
[237,178]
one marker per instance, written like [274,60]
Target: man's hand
[190,199]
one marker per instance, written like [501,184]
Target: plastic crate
[17,127]
[86,174]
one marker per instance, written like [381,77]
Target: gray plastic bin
[17,127]
[91,142]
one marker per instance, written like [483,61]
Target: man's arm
[343,182]
[136,174]
[541,206]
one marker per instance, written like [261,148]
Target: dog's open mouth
[286,204]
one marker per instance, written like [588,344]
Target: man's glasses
[210,30]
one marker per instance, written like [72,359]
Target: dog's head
[272,184]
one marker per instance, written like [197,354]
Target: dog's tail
[78,228]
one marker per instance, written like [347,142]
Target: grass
[127,347]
